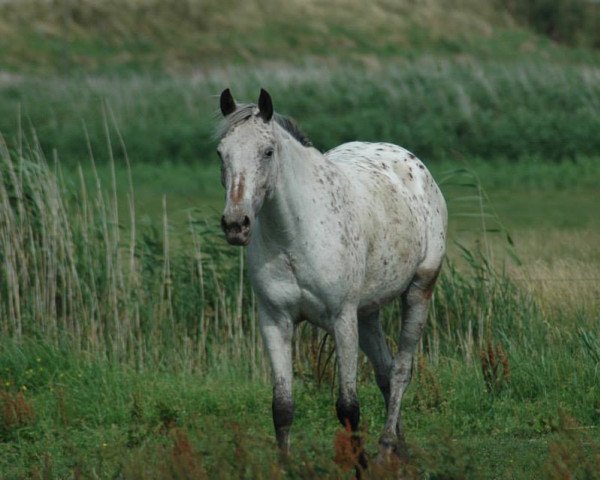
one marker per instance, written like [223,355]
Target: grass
[96,35]
[92,418]
[440,108]
[106,35]
[127,334]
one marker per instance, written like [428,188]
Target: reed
[79,271]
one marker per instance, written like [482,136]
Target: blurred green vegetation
[438,108]
[572,22]
[174,35]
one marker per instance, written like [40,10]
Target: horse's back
[402,211]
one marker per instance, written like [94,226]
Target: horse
[331,239]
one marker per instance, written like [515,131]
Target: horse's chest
[302,287]
[273,278]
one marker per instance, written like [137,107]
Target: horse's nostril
[223,225]
[246,221]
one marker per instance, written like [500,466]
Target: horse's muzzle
[237,230]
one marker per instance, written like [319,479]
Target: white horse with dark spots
[331,239]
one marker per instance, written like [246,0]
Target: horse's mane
[244,111]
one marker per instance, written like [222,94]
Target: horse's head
[248,152]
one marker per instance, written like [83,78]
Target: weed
[168,416]
[183,462]
[428,393]
[348,449]
[495,368]
[17,412]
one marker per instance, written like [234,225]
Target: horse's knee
[348,412]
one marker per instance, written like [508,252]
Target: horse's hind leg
[372,341]
[415,302]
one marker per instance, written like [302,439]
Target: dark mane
[290,126]
[245,111]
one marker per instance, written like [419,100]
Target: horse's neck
[291,197]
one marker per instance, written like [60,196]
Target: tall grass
[81,280]
[72,273]
[75,272]
[439,109]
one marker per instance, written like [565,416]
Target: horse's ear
[227,102]
[265,105]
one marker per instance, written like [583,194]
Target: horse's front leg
[277,331]
[345,329]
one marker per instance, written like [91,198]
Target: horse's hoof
[386,453]
[392,453]
[401,452]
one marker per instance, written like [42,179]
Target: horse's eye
[269,153]
[219,154]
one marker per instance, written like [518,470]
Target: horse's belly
[390,269]
[398,203]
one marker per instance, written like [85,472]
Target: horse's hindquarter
[401,214]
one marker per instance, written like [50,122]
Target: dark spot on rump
[411,156]
[410,175]
[421,166]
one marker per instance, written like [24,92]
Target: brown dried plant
[183,462]
[348,447]
[16,411]
[495,368]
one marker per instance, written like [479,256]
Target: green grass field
[148,399]
[129,345]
